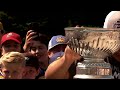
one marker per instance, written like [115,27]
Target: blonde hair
[13,57]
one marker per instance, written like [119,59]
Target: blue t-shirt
[41,73]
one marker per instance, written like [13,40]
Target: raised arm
[28,40]
[59,68]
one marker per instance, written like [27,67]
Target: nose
[10,76]
[38,51]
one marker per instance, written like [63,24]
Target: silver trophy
[94,45]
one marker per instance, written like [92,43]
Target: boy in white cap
[56,47]
[112,21]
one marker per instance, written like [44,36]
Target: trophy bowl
[94,45]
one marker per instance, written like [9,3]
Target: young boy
[32,67]
[37,44]
[10,42]
[12,65]
[56,47]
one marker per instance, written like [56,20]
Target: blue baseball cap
[56,40]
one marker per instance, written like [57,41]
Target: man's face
[9,46]
[12,71]
[30,72]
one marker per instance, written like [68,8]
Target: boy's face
[9,46]
[12,71]
[30,72]
[56,49]
[39,50]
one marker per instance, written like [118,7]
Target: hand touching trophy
[94,45]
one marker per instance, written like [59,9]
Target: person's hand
[70,55]
[28,40]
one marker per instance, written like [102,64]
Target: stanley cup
[94,45]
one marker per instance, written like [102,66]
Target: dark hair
[37,27]
[42,38]
[31,60]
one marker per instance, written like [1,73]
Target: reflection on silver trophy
[94,45]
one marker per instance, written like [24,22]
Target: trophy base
[93,77]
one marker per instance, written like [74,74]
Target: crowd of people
[43,58]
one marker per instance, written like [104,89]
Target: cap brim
[12,40]
[57,45]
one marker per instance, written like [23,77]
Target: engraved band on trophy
[94,45]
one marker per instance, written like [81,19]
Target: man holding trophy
[94,46]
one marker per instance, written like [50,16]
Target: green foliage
[3,16]
[21,24]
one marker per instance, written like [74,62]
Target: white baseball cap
[112,20]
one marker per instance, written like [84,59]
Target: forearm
[116,55]
[25,47]
[58,69]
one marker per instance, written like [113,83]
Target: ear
[1,72]
[49,53]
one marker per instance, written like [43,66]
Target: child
[56,47]
[32,67]
[11,42]
[12,65]
[37,44]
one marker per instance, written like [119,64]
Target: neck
[44,64]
